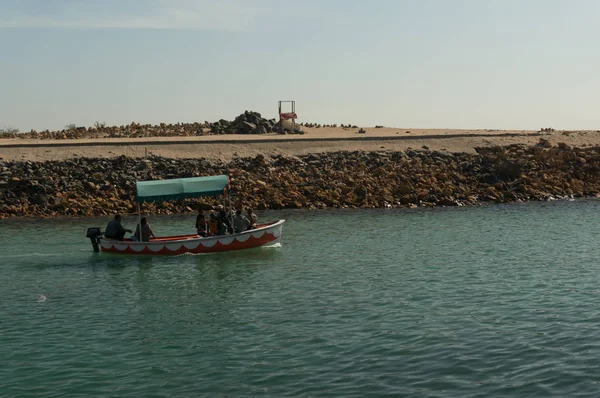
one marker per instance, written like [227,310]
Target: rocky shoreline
[88,187]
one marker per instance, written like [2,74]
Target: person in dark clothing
[114,229]
[221,227]
[201,224]
[222,218]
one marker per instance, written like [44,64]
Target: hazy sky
[498,64]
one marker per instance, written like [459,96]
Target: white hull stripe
[193,244]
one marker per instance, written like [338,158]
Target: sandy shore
[317,140]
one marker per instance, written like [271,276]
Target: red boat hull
[265,234]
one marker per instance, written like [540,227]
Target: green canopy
[180,188]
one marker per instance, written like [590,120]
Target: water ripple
[490,301]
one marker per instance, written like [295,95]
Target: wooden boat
[177,189]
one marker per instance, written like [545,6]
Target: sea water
[499,300]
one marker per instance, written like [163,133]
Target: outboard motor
[94,234]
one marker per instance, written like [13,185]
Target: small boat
[178,189]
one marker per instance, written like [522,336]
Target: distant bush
[70,127]
[8,132]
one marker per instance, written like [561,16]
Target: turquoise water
[495,301]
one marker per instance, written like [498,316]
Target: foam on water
[25,255]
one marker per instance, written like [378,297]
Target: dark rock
[39,199]
[247,128]
[507,170]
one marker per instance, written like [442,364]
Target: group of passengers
[221,222]
[114,230]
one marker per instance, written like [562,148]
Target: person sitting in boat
[221,227]
[147,232]
[201,224]
[212,224]
[253,219]
[240,222]
[222,217]
[114,229]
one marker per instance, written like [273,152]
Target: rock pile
[133,130]
[247,123]
[331,180]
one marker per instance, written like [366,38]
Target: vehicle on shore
[178,189]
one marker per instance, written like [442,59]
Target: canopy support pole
[230,209]
[139,220]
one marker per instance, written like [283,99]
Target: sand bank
[316,140]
